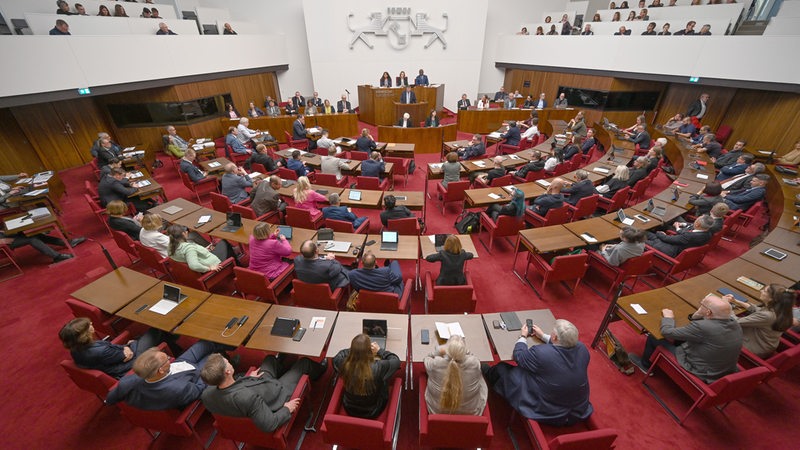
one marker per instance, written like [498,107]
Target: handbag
[352,301]
[617,354]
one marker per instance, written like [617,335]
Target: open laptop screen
[389,236]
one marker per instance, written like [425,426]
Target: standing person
[550,383]
[269,250]
[299,132]
[699,107]
[455,383]
[453,257]
[386,80]
[422,79]
[408,96]
[365,370]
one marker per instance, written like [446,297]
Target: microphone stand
[105,252]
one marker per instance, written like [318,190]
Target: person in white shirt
[484,102]
[151,236]
[245,133]
[326,142]
[333,165]
[533,130]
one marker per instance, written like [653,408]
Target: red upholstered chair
[449,299]
[247,212]
[614,203]
[586,435]
[220,202]
[400,167]
[504,227]
[260,168]
[562,168]
[503,148]
[682,264]
[745,217]
[452,430]
[723,133]
[344,226]
[329,179]
[242,430]
[716,237]
[152,259]
[91,189]
[505,180]
[171,421]
[575,162]
[563,268]
[357,155]
[532,175]
[7,260]
[104,323]
[380,433]
[182,274]
[302,218]
[125,243]
[287,174]
[631,268]
[201,187]
[787,357]
[584,208]
[316,295]
[454,192]
[250,282]
[95,381]
[408,226]
[554,216]
[385,302]
[97,210]
[371,183]
[236,158]
[719,393]
[635,195]
[300,144]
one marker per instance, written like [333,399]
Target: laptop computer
[173,294]
[234,222]
[376,330]
[354,196]
[389,241]
[286,231]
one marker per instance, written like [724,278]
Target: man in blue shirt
[297,165]
[232,139]
[422,79]
[371,278]
[337,212]
[61,29]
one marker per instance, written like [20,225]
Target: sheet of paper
[702,176]
[494,196]
[214,164]
[543,183]
[19,222]
[601,170]
[128,149]
[588,238]
[172,210]
[317,322]
[628,221]
[255,174]
[480,163]
[36,192]
[163,307]
[638,308]
[204,219]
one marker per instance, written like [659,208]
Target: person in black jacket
[673,245]
[366,380]
[261,156]
[452,257]
[638,171]
[704,200]
[552,198]
[583,188]
[392,211]
[115,186]
[117,221]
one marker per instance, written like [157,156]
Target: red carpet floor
[43,409]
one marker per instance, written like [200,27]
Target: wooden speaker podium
[377,105]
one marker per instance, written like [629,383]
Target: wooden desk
[740,267]
[653,302]
[50,223]
[415,200]
[784,238]
[209,319]
[169,321]
[484,121]
[355,240]
[595,177]
[152,190]
[427,247]
[185,206]
[474,198]
[369,199]
[471,324]
[377,104]
[788,220]
[349,324]
[530,190]
[339,124]
[387,169]
[788,267]
[114,290]
[672,210]
[52,197]
[435,171]
[211,166]
[147,160]
[601,229]
[504,340]
[241,236]
[407,248]
[548,239]
[694,290]
[310,159]
[425,140]
[288,191]
[190,220]
[454,146]
[630,212]
[314,339]
[400,150]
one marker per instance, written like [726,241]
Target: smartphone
[529,324]
[298,336]
[426,337]
[726,291]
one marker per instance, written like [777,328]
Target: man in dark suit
[512,135]
[408,96]
[336,211]
[688,31]
[589,142]
[709,146]
[550,383]
[157,384]
[114,186]
[422,79]
[475,148]
[343,106]
[673,245]
[583,188]
[365,143]
[463,104]
[265,196]
[745,198]
[106,151]
[501,94]
[393,211]
[372,278]
[405,121]
[698,108]
[732,155]
[187,166]
[298,101]
[552,198]
[572,149]
[737,168]
[641,138]
[299,132]
[373,167]
[638,171]
[311,268]
[264,397]
[743,181]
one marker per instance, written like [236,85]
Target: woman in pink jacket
[267,249]
[307,198]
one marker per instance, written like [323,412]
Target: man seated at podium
[406,121]
[343,106]
[408,96]
[463,104]
[422,79]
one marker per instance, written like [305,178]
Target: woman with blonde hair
[455,382]
[307,198]
[365,378]
[151,235]
[617,182]
[453,257]
[268,248]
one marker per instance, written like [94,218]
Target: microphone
[243,320]
[231,322]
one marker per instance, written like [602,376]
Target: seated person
[653,156]
[589,142]
[475,148]
[187,166]
[432,120]
[534,164]
[365,370]
[577,125]
[732,155]
[745,198]
[583,188]
[791,158]
[641,138]
[618,181]
[343,106]
[116,211]
[297,165]
[698,138]
[307,198]
[763,326]
[495,172]
[737,168]
[373,167]
[549,384]
[273,110]
[233,140]
[704,200]
[378,279]
[365,143]
[261,156]
[687,128]
[115,360]
[269,250]
[709,146]
[551,199]
[291,108]
[311,108]
[464,103]
[391,210]
[234,183]
[717,214]
[561,101]
[264,396]
[532,129]
[573,148]
[173,148]
[674,123]
[512,134]
[107,150]
[453,257]
[158,384]
[501,94]
[673,244]
[631,245]
[338,212]
[326,142]
[332,165]
[311,268]
[254,111]
[515,207]
[509,102]
[743,181]
[246,134]
[406,121]
[197,257]
[265,197]
[484,103]
[709,345]
[455,382]
[151,236]
[638,170]
[115,186]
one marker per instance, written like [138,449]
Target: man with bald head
[373,278]
[311,267]
[710,343]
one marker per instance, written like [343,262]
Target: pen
[141,308]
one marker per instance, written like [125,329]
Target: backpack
[467,222]
[412,167]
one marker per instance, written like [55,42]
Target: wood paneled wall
[679,96]
[766,120]
[18,154]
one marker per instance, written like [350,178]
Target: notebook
[171,298]
[234,222]
[376,330]
[389,241]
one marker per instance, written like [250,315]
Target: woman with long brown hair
[366,380]
[763,326]
[455,382]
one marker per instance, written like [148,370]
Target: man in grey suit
[264,396]
[310,267]
[711,342]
